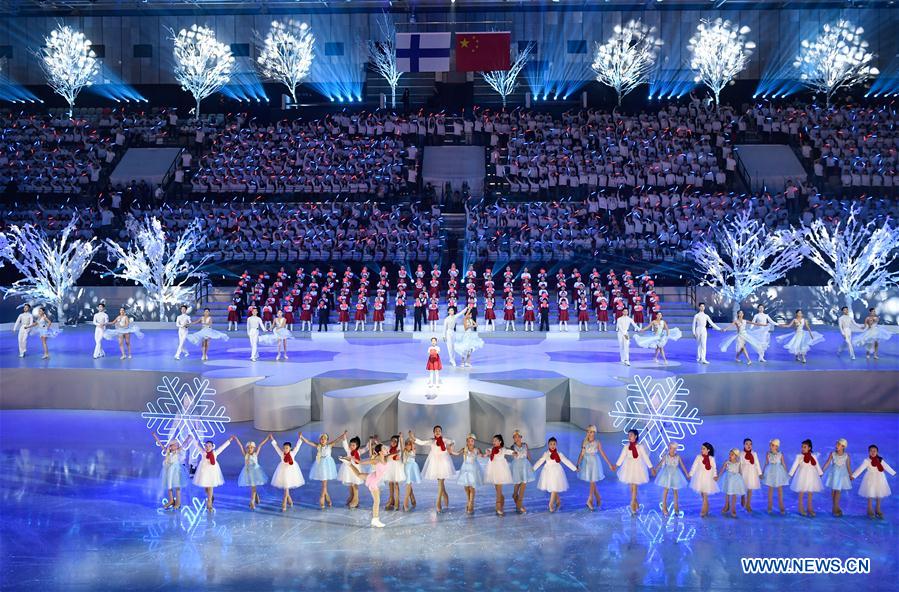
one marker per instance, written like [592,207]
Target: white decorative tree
[505,81]
[158,261]
[625,61]
[719,51]
[286,54]
[68,62]
[742,255]
[837,58]
[50,267]
[859,258]
[203,64]
[382,55]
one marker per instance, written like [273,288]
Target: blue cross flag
[423,52]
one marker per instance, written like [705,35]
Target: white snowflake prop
[742,255]
[625,61]
[505,81]
[153,261]
[50,267]
[719,51]
[186,409]
[286,54]
[860,258]
[657,409]
[68,62]
[382,55]
[837,58]
[203,64]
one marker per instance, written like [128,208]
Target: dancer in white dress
[498,471]
[873,334]
[751,470]
[439,465]
[874,485]
[23,325]
[45,330]
[671,474]
[183,324]
[124,329]
[703,476]
[552,477]
[847,325]
[279,335]
[100,321]
[633,465]
[838,474]
[209,471]
[806,476]
[701,322]
[174,474]
[659,336]
[449,330]
[763,325]
[743,337]
[802,339]
[346,474]
[288,474]
[207,333]
[396,473]
[470,341]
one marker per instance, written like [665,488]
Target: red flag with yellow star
[483,52]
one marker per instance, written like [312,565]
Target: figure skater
[774,475]
[658,337]
[413,474]
[873,334]
[471,341]
[751,470]
[743,337]
[288,474]
[588,467]
[47,330]
[703,476]
[252,475]
[552,477]
[633,466]
[806,476]
[124,329]
[522,471]
[100,321]
[324,468]
[498,472]
[209,472]
[731,483]
[183,324]
[670,474]
[174,474]
[395,474]
[434,365]
[469,476]
[762,327]
[206,334]
[874,485]
[23,325]
[346,475]
[438,466]
[802,339]
[373,479]
[837,474]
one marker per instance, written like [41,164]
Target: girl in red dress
[233,317]
[638,313]
[583,317]
[306,315]
[489,314]
[378,315]
[602,314]
[509,314]
[360,315]
[434,364]
[433,314]
[267,317]
[288,316]
[344,315]
[529,315]
[563,314]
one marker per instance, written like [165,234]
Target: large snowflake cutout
[186,409]
[657,409]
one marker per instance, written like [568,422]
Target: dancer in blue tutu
[838,474]
[774,475]
[730,481]
[522,470]
[469,476]
[413,473]
[324,468]
[671,474]
[252,475]
[588,467]
[470,341]
[174,474]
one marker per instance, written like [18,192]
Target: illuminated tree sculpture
[382,55]
[202,63]
[68,62]
[719,51]
[837,58]
[625,61]
[286,54]
[505,81]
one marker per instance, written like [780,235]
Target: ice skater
[774,475]
[670,474]
[449,331]
[288,474]
[209,471]
[100,321]
[324,468]
[23,326]
[633,466]
[838,474]
[470,476]
[552,477]
[279,336]
[589,468]
[522,471]
[346,475]
[413,474]
[498,472]
[873,334]
[874,485]
[847,326]
[703,476]
[252,475]
[206,334]
[45,330]
[372,479]
[806,477]
[623,325]
[471,341]
[731,483]
[438,466]
[174,474]
[751,469]
[701,323]
[183,324]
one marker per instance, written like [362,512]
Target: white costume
[101,319]
[24,323]
[701,322]
[744,337]
[288,474]
[762,334]
[552,477]
[438,465]
[847,325]
[874,485]
[622,325]
[183,324]
[254,325]
[631,469]
[209,473]
[498,471]
[806,475]
[449,334]
[702,480]
[751,470]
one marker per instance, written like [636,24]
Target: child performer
[372,480]
[324,469]
[252,475]
[670,473]
[434,365]
[874,485]
[396,473]
[774,475]
[806,474]
[634,463]
[552,477]
[751,469]
[174,475]
[838,476]
[438,466]
[522,471]
[209,473]
[588,466]
[498,472]
[413,475]
[731,482]
[470,477]
[346,474]
[288,474]
[703,476]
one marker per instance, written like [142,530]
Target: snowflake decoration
[656,409]
[186,409]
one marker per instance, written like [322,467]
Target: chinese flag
[482,52]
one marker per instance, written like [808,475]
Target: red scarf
[393,452]
[355,454]
[439,442]
[877,463]
[633,448]
[210,456]
[807,457]
[494,452]
[554,454]
[707,462]
[750,458]
[287,458]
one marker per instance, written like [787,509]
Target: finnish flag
[423,52]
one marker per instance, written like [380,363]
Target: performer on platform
[589,468]
[874,486]
[469,476]
[124,329]
[806,476]
[701,322]
[847,326]
[658,337]
[361,313]
[324,469]
[730,480]
[602,314]
[751,469]
[873,334]
[552,477]
[583,315]
[399,314]
[413,474]
[279,335]
[774,475]
[254,327]
[233,316]
[470,341]
[509,314]
[623,325]
[498,472]
[343,314]
[377,316]
[837,474]
[743,336]
[449,330]
[522,471]
[434,315]
[45,330]
[543,309]
[207,333]
[324,313]
[438,466]
[489,314]
[703,476]
[372,479]
[670,474]
[174,474]
[288,474]
[252,475]
[633,466]
[529,316]
[802,339]
[209,471]
[762,328]
[183,324]
[101,319]
[23,325]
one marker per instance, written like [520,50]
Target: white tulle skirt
[872,335]
[132,329]
[652,341]
[800,341]
[288,476]
[874,485]
[498,472]
[552,478]
[744,338]
[206,333]
[439,465]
